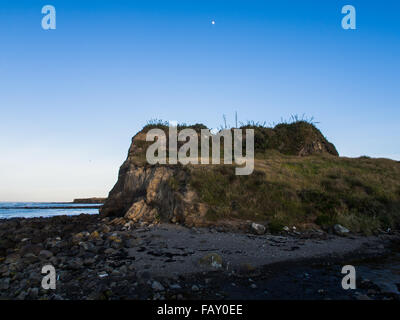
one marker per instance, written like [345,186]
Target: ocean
[45,209]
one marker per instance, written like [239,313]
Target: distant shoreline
[9,210]
[45,208]
[90,200]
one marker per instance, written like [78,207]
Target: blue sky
[72,98]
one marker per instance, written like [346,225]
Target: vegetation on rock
[298,180]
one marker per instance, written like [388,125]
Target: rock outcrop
[152,192]
[149,193]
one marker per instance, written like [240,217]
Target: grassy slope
[362,194]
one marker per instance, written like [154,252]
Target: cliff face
[152,192]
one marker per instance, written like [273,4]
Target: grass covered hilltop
[298,180]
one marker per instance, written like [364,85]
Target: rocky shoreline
[96,258]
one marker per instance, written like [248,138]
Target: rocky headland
[298,180]
[90,200]
[201,232]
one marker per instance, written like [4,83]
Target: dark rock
[45,254]
[30,248]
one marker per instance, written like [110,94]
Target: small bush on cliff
[164,125]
